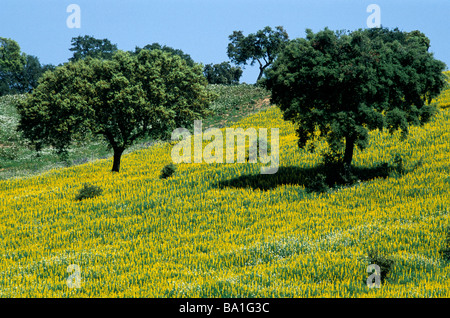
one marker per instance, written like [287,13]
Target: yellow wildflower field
[190,236]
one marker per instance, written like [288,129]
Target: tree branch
[260,64]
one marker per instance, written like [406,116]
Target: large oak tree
[340,85]
[262,47]
[123,99]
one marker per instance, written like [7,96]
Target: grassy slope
[189,236]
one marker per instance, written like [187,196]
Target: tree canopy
[12,61]
[19,72]
[28,78]
[168,49]
[339,85]
[123,99]
[84,46]
[262,47]
[222,73]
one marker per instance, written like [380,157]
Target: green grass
[235,102]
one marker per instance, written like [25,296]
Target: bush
[168,171]
[383,262]
[88,191]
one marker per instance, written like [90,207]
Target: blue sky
[201,27]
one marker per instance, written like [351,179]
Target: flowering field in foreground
[188,236]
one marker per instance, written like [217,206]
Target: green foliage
[386,264]
[222,73]
[28,78]
[84,46]
[343,84]
[156,46]
[10,139]
[346,175]
[19,72]
[8,152]
[123,99]
[88,191]
[262,47]
[12,61]
[168,171]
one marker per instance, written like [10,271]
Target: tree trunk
[349,146]
[117,155]
[261,71]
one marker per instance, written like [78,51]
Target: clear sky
[201,27]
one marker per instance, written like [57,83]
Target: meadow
[223,230]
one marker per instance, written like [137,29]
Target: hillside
[211,231]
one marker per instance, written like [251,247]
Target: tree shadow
[307,177]
[290,175]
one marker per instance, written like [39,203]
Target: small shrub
[88,191]
[168,171]
[383,262]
